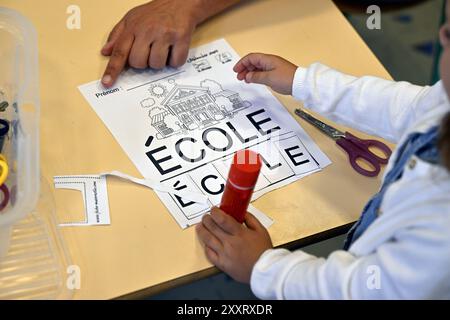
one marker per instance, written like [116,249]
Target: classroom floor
[407,42]
[407,38]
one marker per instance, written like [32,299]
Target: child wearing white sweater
[404,231]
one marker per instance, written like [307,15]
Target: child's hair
[444,141]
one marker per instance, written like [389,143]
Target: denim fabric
[424,146]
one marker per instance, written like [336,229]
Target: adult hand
[233,247]
[151,35]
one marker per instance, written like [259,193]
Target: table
[144,251]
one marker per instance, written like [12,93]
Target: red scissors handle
[357,148]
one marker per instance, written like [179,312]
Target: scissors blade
[330,131]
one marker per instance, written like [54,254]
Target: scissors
[355,147]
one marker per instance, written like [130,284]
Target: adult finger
[118,59]
[140,52]
[179,53]
[208,238]
[112,38]
[158,54]
[212,226]
[225,221]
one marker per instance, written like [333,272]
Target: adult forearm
[204,9]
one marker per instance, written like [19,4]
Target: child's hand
[273,71]
[233,247]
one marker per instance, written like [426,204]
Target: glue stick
[244,172]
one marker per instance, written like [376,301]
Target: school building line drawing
[187,107]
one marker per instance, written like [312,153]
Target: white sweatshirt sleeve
[414,266]
[404,254]
[379,107]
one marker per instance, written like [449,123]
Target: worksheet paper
[182,126]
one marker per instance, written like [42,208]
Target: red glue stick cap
[245,169]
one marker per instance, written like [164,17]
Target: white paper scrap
[265,220]
[185,195]
[95,198]
[95,194]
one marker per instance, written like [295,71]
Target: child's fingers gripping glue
[242,177]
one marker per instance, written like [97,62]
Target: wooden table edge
[211,271]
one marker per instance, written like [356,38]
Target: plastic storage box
[33,260]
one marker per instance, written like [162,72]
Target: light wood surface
[144,247]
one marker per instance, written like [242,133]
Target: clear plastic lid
[33,258]
[19,99]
